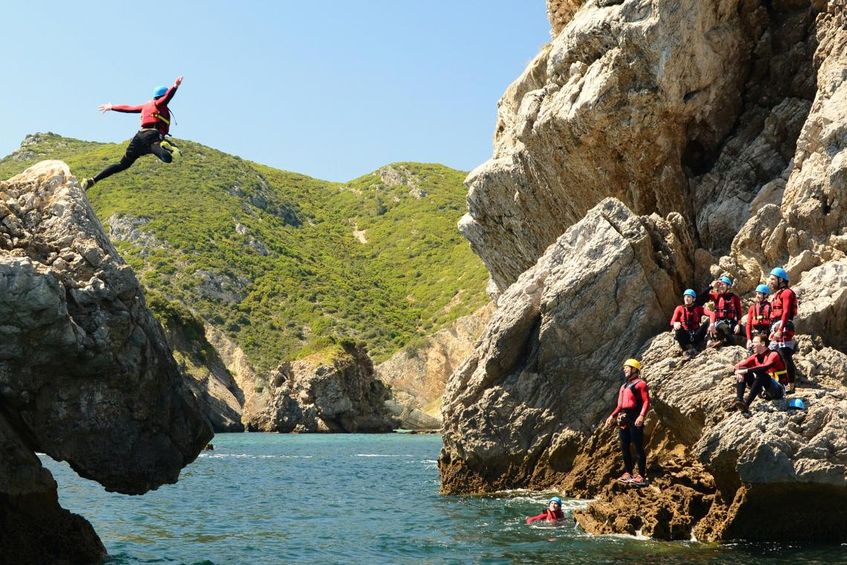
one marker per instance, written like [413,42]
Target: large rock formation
[729,119]
[85,373]
[674,105]
[418,374]
[518,411]
[332,391]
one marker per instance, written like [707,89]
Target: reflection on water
[270,498]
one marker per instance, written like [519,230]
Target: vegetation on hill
[283,263]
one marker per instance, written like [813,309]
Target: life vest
[761,315]
[778,305]
[156,116]
[725,307]
[690,317]
[631,401]
[778,371]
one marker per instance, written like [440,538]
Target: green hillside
[271,256]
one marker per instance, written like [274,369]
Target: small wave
[380,455]
[249,456]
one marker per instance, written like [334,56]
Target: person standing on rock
[783,310]
[552,514]
[687,325]
[724,319]
[629,415]
[759,316]
[155,125]
[761,371]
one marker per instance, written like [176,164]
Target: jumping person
[553,513]
[633,404]
[759,316]
[687,325]
[155,125]
[783,310]
[724,319]
[761,371]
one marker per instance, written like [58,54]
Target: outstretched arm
[119,108]
[170,93]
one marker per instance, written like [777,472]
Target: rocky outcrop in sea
[330,391]
[649,147]
[86,375]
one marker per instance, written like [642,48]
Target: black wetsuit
[146,141]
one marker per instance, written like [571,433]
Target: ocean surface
[271,498]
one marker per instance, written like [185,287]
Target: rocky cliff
[85,373]
[418,375]
[331,391]
[719,130]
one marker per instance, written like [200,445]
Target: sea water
[352,498]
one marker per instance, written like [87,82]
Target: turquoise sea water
[270,498]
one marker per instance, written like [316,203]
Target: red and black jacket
[548,515]
[633,398]
[758,318]
[154,113]
[688,316]
[771,361]
[783,309]
[727,307]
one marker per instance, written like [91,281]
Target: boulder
[543,373]
[330,391]
[86,375]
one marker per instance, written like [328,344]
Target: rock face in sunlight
[334,392]
[85,373]
[729,120]
[417,376]
[669,106]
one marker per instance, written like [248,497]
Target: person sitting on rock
[783,310]
[724,319]
[552,514]
[759,316]
[687,325]
[155,124]
[761,371]
[629,415]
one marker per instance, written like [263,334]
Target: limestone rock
[543,373]
[86,375]
[668,106]
[319,394]
[417,376]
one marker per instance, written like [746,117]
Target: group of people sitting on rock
[769,370]
[770,319]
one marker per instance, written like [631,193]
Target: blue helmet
[779,272]
[556,499]
[763,288]
[159,92]
[797,404]
[726,280]
[690,292]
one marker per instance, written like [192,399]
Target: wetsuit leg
[636,433]
[683,337]
[160,152]
[761,378]
[788,357]
[138,146]
[700,336]
[624,436]
[740,386]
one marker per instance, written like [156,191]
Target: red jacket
[758,318]
[548,515]
[688,316]
[769,360]
[783,309]
[727,307]
[632,394]
[154,113]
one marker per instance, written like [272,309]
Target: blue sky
[331,89]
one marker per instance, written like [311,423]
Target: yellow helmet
[634,363]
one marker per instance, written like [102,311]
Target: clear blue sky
[329,88]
